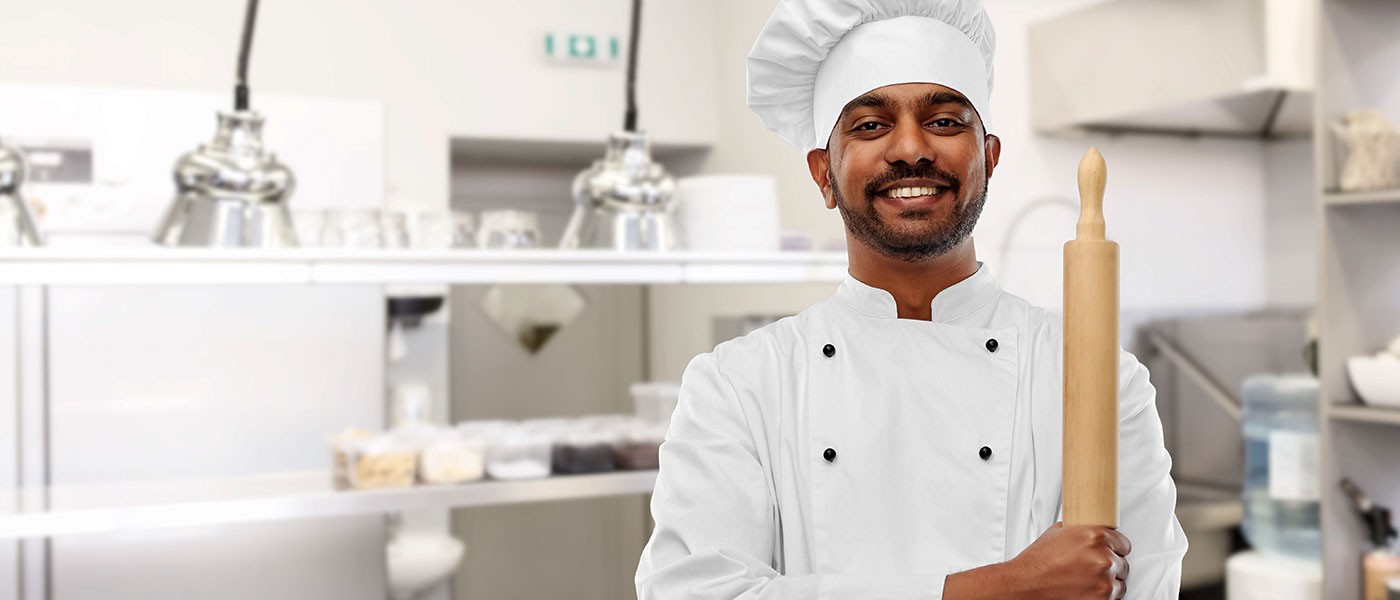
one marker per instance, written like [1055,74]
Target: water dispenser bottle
[1281,514]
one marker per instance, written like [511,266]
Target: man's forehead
[907,95]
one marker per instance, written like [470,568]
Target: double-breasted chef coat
[847,453]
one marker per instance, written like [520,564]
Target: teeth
[910,192]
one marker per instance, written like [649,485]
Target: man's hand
[1073,563]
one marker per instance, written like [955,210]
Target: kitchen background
[174,412]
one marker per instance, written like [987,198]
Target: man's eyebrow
[871,100]
[937,98]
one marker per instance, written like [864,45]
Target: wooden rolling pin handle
[1093,177]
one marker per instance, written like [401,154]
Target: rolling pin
[1090,487]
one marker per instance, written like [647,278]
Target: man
[902,438]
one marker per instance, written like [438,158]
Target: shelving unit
[1359,281]
[182,266]
[44,518]
[308,495]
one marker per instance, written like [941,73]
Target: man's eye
[945,123]
[868,126]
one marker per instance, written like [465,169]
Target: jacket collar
[957,301]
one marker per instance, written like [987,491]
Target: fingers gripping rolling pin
[1090,487]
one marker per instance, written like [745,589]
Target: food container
[514,452]
[655,400]
[585,449]
[340,458]
[639,446]
[381,461]
[453,457]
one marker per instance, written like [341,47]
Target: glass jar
[393,226]
[308,225]
[362,228]
[463,229]
[508,229]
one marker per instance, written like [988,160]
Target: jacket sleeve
[1146,493]
[716,519]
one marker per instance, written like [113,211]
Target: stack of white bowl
[728,213]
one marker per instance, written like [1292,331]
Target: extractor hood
[1193,67]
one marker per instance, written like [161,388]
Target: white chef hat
[815,56]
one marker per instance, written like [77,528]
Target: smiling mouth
[912,192]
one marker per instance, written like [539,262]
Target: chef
[901,438]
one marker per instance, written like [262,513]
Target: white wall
[1291,223]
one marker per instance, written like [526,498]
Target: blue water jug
[1281,480]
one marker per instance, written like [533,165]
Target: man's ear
[992,146]
[818,163]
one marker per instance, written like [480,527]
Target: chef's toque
[815,56]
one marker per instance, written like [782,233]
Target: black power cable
[630,121]
[240,92]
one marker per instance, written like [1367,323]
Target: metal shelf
[1361,198]
[308,495]
[186,266]
[1362,413]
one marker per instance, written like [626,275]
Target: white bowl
[419,562]
[1376,380]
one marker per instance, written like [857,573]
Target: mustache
[921,170]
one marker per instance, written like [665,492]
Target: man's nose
[909,145]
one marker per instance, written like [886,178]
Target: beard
[912,237]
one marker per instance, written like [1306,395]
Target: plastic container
[514,452]
[380,461]
[639,446]
[1281,512]
[453,457]
[585,449]
[655,400]
[340,454]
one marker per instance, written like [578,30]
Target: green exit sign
[582,48]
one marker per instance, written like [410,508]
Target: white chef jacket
[748,505]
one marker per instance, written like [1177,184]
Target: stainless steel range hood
[1193,67]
